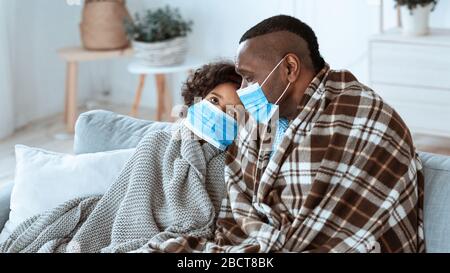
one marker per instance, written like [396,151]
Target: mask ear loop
[284,92]
[264,135]
[273,70]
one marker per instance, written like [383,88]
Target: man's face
[254,65]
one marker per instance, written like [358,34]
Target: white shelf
[437,37]
[413,75]
[137,67]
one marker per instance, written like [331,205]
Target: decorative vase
[165,53]
[102,25]
[415,22]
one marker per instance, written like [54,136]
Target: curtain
[6,92]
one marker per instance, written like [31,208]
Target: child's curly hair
[208,77]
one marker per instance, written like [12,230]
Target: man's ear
[294,67]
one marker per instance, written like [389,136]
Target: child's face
[223,95]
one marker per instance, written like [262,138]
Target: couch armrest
[99,131]
[5,198]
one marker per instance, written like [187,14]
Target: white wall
[342,26]
[43,26]
[6,98]
[441,16]
[218,26]
[40,28]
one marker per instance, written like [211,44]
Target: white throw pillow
[46,179]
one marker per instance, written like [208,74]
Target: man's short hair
[293,25]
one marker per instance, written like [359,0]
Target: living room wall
[39,28]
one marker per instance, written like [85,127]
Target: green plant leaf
[158,25]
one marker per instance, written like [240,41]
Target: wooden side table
[73,56]
[160,73]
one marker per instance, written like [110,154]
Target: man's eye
[249,80]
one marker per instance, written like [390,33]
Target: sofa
[98,131]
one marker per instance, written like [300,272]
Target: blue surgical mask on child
[255,101]
[211,124]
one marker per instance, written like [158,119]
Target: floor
[50,134]
[432,144]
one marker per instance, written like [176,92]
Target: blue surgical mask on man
[256,102]
[261,110]
[282,126]
[211,124]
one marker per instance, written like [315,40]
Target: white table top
[79,54]
[136,67]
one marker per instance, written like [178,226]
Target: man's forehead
[251,52]
[244,54]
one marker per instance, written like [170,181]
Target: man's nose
[244,84]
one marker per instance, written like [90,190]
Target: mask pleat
[212,124]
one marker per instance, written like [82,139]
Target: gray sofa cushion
[437,202]
[99,131]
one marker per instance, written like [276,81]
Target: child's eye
[214,100]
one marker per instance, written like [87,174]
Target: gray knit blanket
[171,187]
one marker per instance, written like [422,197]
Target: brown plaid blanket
[345,178]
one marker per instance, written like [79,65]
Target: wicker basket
[166,53]
[102,26]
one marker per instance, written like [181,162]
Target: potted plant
[159,37]
[101,27]
[415,15]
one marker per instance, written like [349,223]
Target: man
[344,175]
